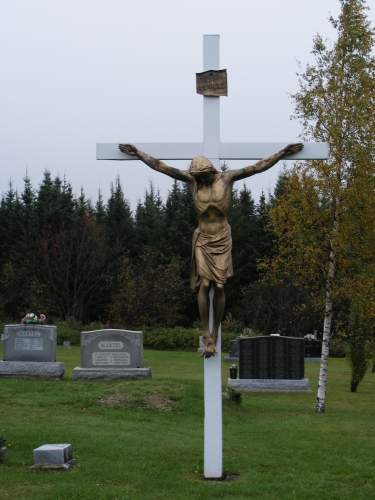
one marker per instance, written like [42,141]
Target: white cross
[212,148]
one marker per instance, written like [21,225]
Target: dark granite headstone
[313,348]
[271,358]
[30,343]
[111,349]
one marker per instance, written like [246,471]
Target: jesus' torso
[212,201]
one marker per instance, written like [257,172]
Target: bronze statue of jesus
[212,242]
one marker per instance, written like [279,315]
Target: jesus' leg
[219,303]
[204,310]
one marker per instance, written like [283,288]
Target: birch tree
[324,223]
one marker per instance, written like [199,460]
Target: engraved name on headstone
[30,343]
[272,358]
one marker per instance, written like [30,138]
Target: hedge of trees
[69,258]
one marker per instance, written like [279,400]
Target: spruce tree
[243,222]
[149,222]
[118,222]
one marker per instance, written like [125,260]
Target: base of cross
[213,416]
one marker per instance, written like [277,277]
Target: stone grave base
[228,358]
[269,385]
[42,370]
[65,466]
[91,374]
[312,360]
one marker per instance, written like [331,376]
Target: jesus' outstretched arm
[155,164]
[266,163]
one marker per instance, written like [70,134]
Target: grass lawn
[144,439]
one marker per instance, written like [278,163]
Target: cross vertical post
[213,419]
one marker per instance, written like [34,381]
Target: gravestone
[66,344]
[111,354]
[53,456]
[30,352]
[234,351]
[271,363]
[313,350]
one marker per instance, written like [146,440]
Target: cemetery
[133,438]
[136,387]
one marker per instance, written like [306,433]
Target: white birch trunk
[322,383]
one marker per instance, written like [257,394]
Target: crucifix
[212,241]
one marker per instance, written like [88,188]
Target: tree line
[67,257]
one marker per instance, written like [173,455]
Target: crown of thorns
[200,165]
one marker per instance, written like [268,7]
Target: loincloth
[211,257]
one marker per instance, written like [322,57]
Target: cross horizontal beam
[228,151]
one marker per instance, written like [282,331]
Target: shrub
[185,339]
[336,349]
[67,333]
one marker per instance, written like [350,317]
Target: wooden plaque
[212,83]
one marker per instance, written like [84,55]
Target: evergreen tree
[118,221]
[243,222]
[149,222]
[55,204]
[100,211]
[180,221]
[264,233]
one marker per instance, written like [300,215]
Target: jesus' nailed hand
[212,242]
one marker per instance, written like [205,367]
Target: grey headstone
[30,343]
[66,344]
[233,351]
[111,355]
[2,337]
[111,349]
[53,454]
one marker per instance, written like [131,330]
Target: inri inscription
[272,358]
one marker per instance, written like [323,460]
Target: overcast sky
[78,72]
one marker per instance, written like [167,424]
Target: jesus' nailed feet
[209,345]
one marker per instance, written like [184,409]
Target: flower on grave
[32,318]
[309,337]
